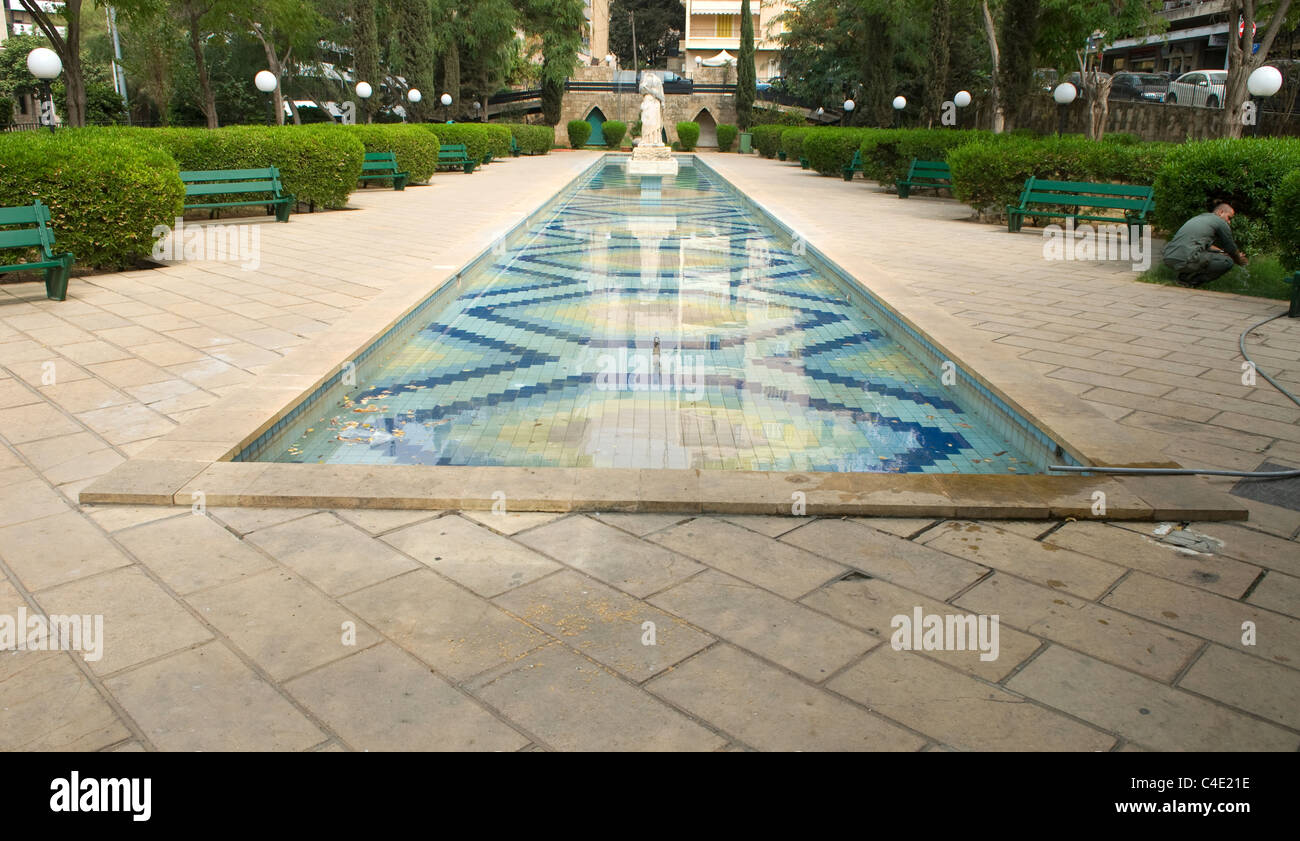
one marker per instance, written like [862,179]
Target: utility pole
[119,72]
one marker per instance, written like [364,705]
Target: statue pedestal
[650,164]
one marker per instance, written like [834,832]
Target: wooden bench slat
[25,238]
[933,175]
[229,188]
[29,215]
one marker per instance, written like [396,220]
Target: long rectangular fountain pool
[619,327]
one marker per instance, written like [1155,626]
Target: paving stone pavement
[293,629]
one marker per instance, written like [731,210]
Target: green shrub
[614,132]
[1245,173]
[579,131]
[829,150]
[894,151]
[990,173]
[792,142]
[1122,139]
[6,110]
[532,140]
[473,136]
[106,192]
[318,164]
[416,148]
[726,137]
[776,117]
[767,139]
[498,139]
[688,134]
[1286,220]
[677,146]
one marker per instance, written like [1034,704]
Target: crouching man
[1203,249]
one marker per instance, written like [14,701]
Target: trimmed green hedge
[498,139]
[416,148]
[317,163]
[829,150]
[989,174]
[688,134]
[614,131]
[767,139]
[579,131]
[532,140]
[474,136]
[726,136]
[792,142]
[1247,173]
[888,153]
[1286,220]
[106,192]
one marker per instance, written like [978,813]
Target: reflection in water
[617,333]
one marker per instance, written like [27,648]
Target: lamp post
[849,105]
[1064,94]
[364,92]
[266,83]
[414,96]
[45,65]
[1263,81]
[962,99]
[446,100]
[900,102]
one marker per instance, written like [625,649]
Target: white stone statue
[652,110]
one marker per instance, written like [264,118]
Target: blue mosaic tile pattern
[624,328]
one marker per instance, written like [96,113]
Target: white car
[1199,87]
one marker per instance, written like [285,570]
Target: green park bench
[803,163]
[225,183]
[933,175]
[515,151]
[452,155]
[854,166]
[1065,199]
[27,227]
[382,165]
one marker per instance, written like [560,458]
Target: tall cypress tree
[1018,35]
[365,47]
[746,87]
[936,91]
[412,52]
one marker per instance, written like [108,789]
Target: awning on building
[717,7]
[1175,35]
[719,60]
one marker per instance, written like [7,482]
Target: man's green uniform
[1189,254]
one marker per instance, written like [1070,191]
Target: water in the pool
[618,330]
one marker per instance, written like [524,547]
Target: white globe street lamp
[900,102]
[1065,93]
[446,99]
[364,90]
[265,81]
[44,63]
[1265,81]
[849,105]
[962,99]
[414,95]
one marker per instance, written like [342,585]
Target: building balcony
[1176,11]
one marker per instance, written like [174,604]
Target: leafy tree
[939,58]
[558,25]
[660,25]
[746,87]
[1017,37]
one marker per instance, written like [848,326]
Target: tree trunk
[937,91]
[209,103]
[995,100]
[451,79]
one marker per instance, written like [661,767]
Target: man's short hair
[1220,206]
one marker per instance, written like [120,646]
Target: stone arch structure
[708,129]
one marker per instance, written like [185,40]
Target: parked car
[1139,87]
[1076,79]
[1199,87]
